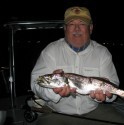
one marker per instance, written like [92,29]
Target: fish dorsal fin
[105,80]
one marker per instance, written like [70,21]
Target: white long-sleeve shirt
[95,60]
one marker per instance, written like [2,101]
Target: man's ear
[64,27]
[91,28]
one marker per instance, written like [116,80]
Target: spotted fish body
[83,84]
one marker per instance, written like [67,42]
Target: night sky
[107,14]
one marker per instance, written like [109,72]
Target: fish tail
[120,93]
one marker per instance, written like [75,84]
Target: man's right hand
[64,91]
[58,71]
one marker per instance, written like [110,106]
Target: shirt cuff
[111,99]
[52,95]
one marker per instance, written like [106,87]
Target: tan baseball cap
[76,12]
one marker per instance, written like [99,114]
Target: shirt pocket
[88,71]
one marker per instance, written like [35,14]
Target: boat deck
[15,115]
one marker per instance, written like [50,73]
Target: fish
[83,84]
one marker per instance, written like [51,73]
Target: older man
[76,53]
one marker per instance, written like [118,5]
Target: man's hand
[58,71]
[99,95]
[64,91]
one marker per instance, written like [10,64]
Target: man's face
[77,33]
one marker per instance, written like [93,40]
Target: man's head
[81,13]
[78,26]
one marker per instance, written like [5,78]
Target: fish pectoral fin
[66,81]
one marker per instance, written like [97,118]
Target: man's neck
[80,48]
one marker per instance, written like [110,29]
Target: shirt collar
[78,49]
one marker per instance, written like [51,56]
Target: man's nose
[77,26]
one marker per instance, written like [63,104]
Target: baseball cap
[76,12]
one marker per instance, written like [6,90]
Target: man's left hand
[99,95]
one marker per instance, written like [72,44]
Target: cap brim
[85,20]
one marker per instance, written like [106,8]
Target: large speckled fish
[82,84]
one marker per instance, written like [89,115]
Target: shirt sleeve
[107,69]
[44,65]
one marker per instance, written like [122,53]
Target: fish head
[52,80]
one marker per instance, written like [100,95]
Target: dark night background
[108,30]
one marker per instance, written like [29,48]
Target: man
[76,53]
